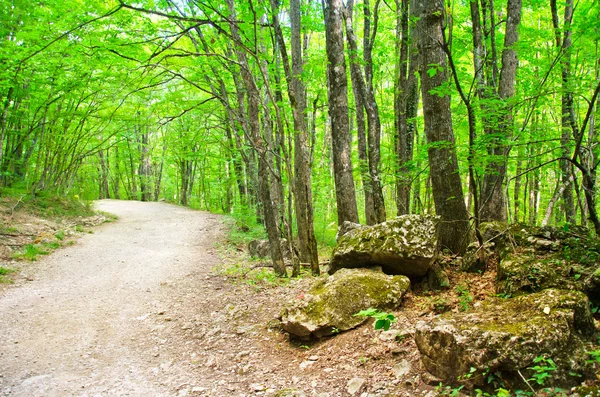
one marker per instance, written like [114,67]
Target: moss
[332,304]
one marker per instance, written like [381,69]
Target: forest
[302,114]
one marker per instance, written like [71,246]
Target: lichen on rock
[329,306]
[506,335]
[406,245]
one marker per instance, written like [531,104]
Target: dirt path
[137,309]
[95,318]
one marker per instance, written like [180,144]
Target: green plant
[441,305]
[383,320]
[60,235]
[594,357]
[464,297]
[51,245]
[543,369]
[448,390]
[4,271]
[30,253]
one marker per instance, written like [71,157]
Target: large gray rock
[329,306]
[506,335]
[406,245]
[262,248]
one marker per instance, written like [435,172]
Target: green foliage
[448,390]
[30,252]
[543,369]
[464,297]
[5,271]
[383,320]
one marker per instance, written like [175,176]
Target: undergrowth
[4,272]
[46,204]
[30,252]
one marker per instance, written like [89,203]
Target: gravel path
[94,319]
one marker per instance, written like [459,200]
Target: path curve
[94,319]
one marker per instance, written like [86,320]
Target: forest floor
[158,303]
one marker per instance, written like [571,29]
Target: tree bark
[569,126]
[406,103]
[338,112]
[259,145]
[443,163]
[359,104]
[493,205]
[302,169]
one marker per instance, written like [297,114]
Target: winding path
[94,320]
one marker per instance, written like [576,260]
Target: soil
[157,303]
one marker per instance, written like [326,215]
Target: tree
[337,83]
[362,86]
[443,163]
[499,124]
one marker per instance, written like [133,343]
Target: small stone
[388,336]
[546,310]
[256,387]
[429,379]
[402,368]
[354,385]
[306,364]
[313,358]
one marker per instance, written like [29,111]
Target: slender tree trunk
[359,103]
[493,206]
[373,119]
[406,103]
[103,185]
[302,169]
[362,86]
[443,163]
[259,144]
[564,44]
[144,167]
[338,111]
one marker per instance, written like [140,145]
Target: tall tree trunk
[302,169]
[338,112]
[373,119]
[406,103]
[259,144]
[144,167]
[564,44]
[359,103]
[493,205]
[103,185]
[443,163]
[362,86]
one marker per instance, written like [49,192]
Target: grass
[47,204]
[30,253]
[5,271]
[60,235]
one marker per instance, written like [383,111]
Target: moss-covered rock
[329,306]
[527,273]
[550,258]
[406,245]
[506,335]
